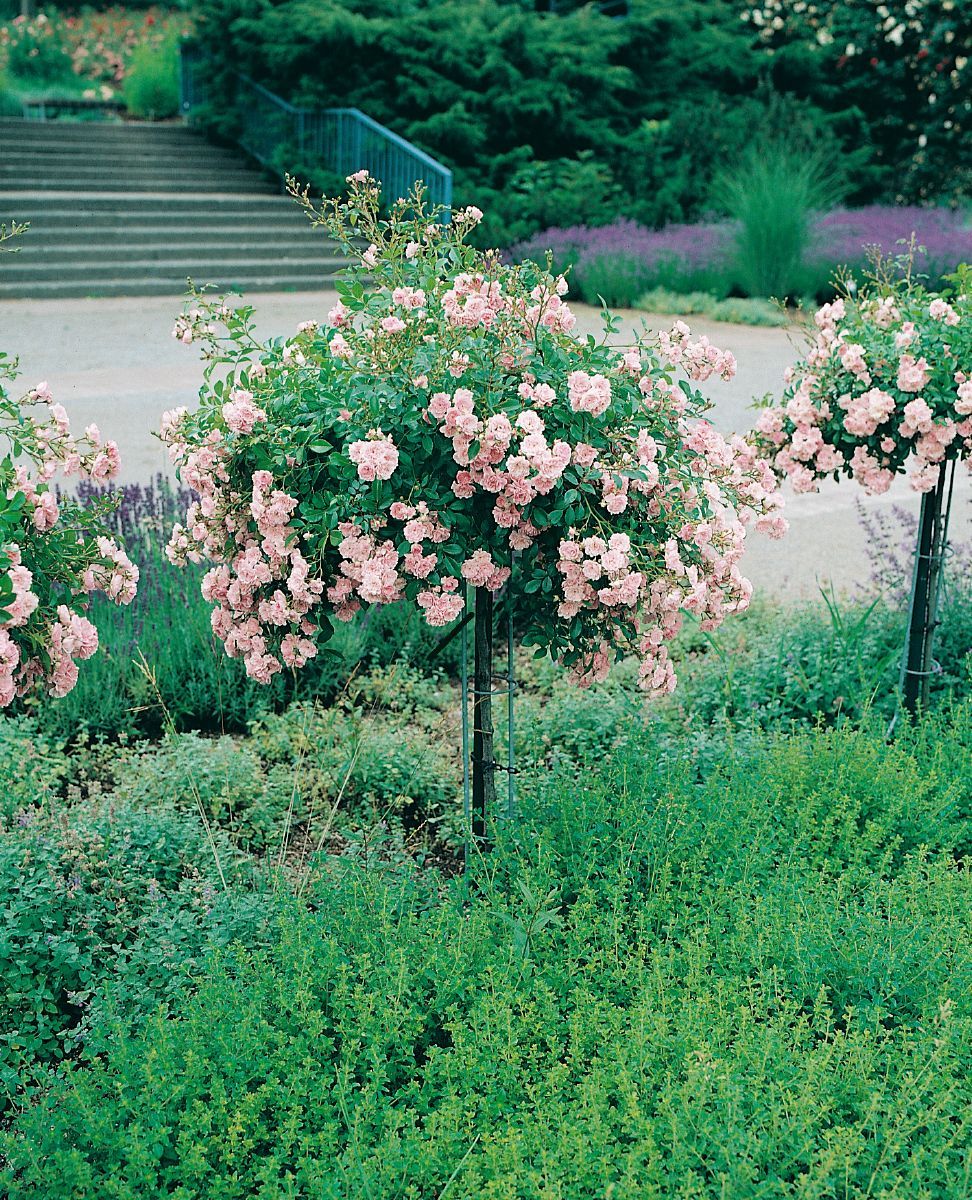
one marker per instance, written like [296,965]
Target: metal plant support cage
[481,804]
[918,664]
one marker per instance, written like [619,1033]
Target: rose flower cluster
[885,387]
[444,429]
[54,551]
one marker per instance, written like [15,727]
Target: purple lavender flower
[841,237]
[700,256]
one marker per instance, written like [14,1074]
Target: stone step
[106,285]
[19,170]
[19,153]
[123,209]
[149,205]
[23,141]
[83,237]
[198,182]
[297,262]
[88,132]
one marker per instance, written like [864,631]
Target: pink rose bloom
[941,310]
[240,412]
[339,347]
[439,404]
[107,463]
[392,324]
[588,393]
[481,571]
[584,455]
[45,512]
[917,418]
[295,651]
[912,374]
[376,458]
[338,316]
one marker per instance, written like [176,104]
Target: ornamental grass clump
[445,429]
[54,551]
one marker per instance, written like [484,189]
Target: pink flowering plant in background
[54,551]
[885,388]
[442,429]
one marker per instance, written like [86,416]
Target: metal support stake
[918,664]
[483,751]
[464,678]
[510,692]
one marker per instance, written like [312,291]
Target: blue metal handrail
[343,140]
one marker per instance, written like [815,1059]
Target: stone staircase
[135,210]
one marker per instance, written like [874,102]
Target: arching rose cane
[885,388]
[444,431]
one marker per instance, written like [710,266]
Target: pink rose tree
[445,430]
[884,389]
[54,551]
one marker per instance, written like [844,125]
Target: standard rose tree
[446,429]
[884,389]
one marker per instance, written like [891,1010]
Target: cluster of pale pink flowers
[445,431]
[700,360]
[41,645]
[198,323]
[261,582]
[883,388]
[375,457]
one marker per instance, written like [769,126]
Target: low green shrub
[737,310]
[75,886]
[151,87]
[827,664]
[33,768]
[387,765]
[10,103]
[222,778]
[760,986]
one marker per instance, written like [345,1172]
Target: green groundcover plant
[757,985]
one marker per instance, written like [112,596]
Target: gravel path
[114,362]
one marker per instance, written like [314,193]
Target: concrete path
[114,362]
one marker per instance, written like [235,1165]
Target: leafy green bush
[660,102]
[10,105]
[757,986]
[221,778]
[830,664]
[387,765]
[75,885]
[567,191]
[737,310]
[151,88]
[33,768]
